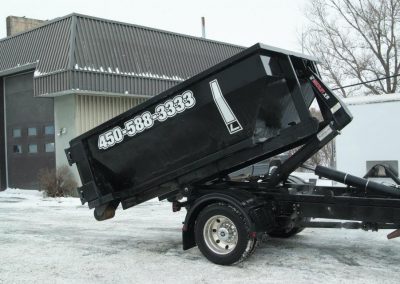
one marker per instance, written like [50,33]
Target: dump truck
[183,144]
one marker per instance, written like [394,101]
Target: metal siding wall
[94,110]
[369,137]
[52,83]
[119,84]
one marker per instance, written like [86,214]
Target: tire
[222,234]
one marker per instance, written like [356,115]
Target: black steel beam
[347,225]
[364,185]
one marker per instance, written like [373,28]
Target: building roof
[372,99]
[79,53]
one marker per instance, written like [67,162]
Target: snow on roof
[372,99]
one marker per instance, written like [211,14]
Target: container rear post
[295,89]
[88,191]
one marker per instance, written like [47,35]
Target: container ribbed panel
[94,110]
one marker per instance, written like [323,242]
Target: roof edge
[72,43]
[46,23]
[91,93]
[372,99]
[119,23]
[138,76]
[18,69]
[289,52]
[154,29]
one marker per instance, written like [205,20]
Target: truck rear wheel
[223,234]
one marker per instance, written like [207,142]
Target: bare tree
[356,41]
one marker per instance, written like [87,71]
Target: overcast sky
[273,22]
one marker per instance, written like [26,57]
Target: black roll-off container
[243,110]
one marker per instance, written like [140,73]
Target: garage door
[29,130]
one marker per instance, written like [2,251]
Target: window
[16,132]
[32,131]
[49,147]
[17,149]
[32,148]
[49,130]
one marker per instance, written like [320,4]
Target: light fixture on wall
[62,131]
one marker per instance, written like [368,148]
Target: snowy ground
[46,241]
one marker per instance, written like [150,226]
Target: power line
[363,83]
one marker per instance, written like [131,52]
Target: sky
[274,22]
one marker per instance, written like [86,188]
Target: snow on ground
[46,240]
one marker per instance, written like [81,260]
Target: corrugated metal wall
[94,110]
[84,80]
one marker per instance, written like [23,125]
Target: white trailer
[372,137]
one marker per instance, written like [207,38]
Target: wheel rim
[220,234]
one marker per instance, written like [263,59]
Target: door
[30,132]
[3,179]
